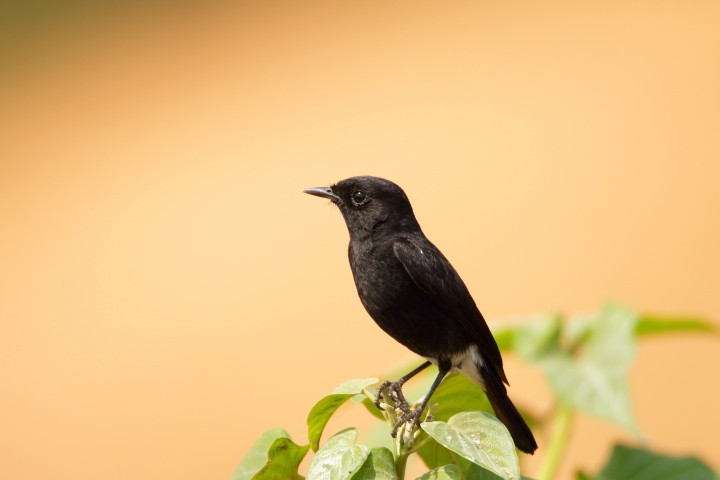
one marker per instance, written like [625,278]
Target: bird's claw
[412,417]
[383,386]
[395,394]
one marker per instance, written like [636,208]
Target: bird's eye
[358,197]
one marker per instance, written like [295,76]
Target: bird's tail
[506,411]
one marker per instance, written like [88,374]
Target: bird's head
[370,204]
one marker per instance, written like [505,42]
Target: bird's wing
[433,274]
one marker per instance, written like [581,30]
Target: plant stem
[562,425]
[400,464]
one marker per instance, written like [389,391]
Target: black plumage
[415,295]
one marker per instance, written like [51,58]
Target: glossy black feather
[436,277]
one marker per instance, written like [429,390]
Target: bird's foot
[383,386]
[391,395]
[411,418]
[394,394]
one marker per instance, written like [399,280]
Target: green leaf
[339,458]
[378,466]
[638,464]
[372,408]
[320,415]
[474,472]
[435,455]
[505,338]
[446,472]
[651,325]
[457,394]
[257,456]
[480,438]
[284,458]
[454,395]
[324,409]
[354,386]
[538,338]
[596,381]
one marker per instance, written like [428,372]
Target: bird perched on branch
[415,295]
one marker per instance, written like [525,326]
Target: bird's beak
[325,192]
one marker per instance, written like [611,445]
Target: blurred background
[167,292]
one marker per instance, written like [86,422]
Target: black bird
[415,295]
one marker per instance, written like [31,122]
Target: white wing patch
[467,362]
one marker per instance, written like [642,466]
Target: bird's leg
[395,389]
[413,416]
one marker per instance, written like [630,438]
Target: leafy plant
[585,361]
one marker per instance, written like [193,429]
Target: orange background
[167,292]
